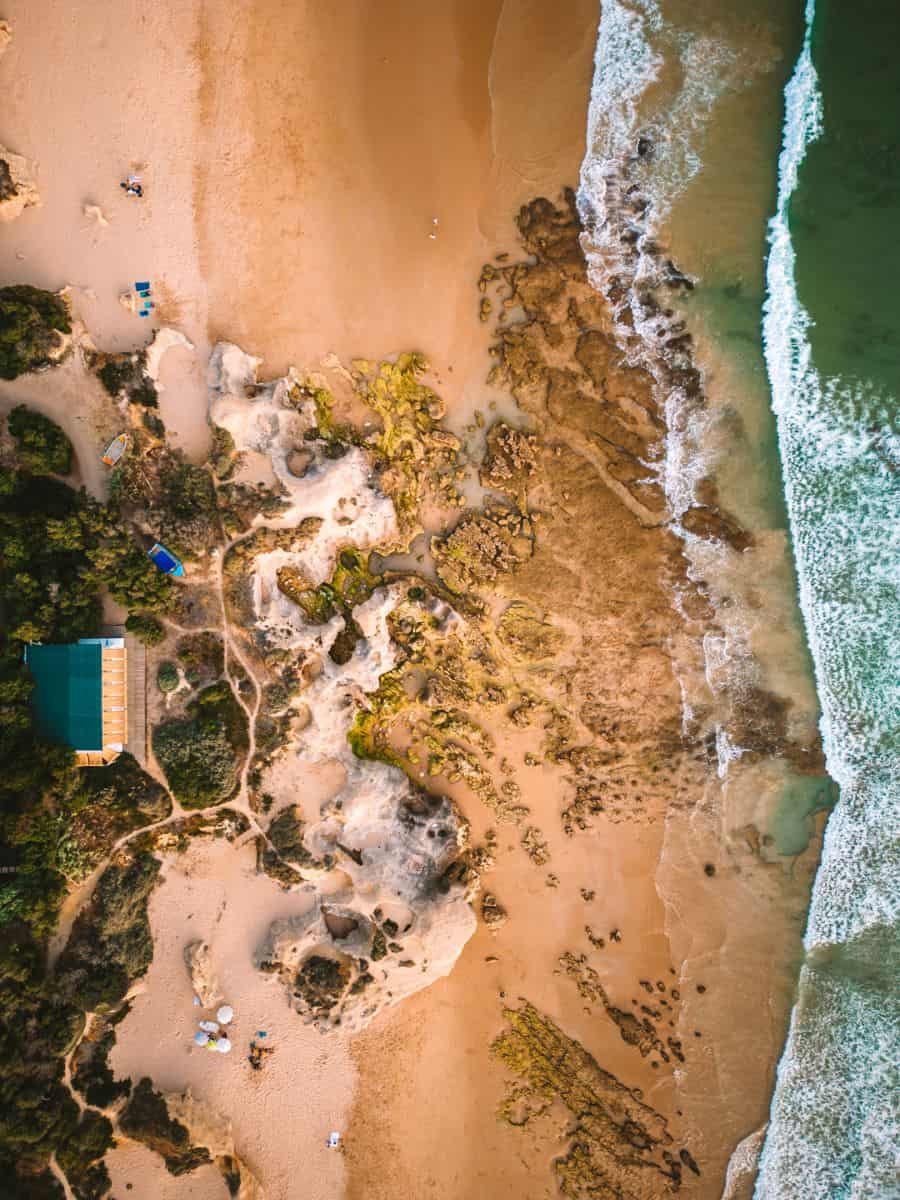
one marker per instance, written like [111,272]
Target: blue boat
[167,562]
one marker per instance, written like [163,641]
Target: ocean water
[798,426]
[832,336]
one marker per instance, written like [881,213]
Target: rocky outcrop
[399,925]
[620,1146]
[187,1134]
[18,189]
[198,959]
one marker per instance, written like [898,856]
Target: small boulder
[18,189]
[198,959]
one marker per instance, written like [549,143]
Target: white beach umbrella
[223,1045]
[225,1013]
[210,1026]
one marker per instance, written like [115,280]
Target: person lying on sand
[132,187]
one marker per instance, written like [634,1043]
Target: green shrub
[30,323]
[202,655]
[111,944]
[198,761]
[153,424]
[79,1156]
[146,628]
[189,490]
[41,446]
[167,676]
[117,373]
[201,755]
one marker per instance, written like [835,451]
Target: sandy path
[75,399]
[282,1114]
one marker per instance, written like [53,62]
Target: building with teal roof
[79,696]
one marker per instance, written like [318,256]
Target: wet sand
[338,136]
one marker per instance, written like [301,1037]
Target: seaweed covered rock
[413,453]
[32,323]
[527,635]
[510,459]
[485,545]
[619,1145]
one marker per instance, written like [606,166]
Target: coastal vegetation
[202,754]
[31,322]
[147,628]
[59,549]
[110,945]
[41,446]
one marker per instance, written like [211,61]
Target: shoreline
[643,913]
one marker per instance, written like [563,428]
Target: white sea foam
[834,1120]
[655,91]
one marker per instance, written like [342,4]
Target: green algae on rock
[620,1146]
[510,460]
[412,452]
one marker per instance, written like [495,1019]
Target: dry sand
[91,91]
[282,1114]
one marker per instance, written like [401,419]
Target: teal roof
[67,701]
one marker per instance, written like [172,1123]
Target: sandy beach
[324,182]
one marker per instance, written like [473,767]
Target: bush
[111,944]
[167,676]
[146,628]
[118,372]
[30,323]
[201,755]
[202,655]
[41,446]
[198,761]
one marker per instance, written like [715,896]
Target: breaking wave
[836,1110]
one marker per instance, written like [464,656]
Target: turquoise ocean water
[832,339]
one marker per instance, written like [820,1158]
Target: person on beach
[132,187]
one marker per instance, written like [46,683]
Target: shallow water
[681,168]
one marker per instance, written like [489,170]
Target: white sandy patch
[282,1114]
[400,857]
[341,493]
